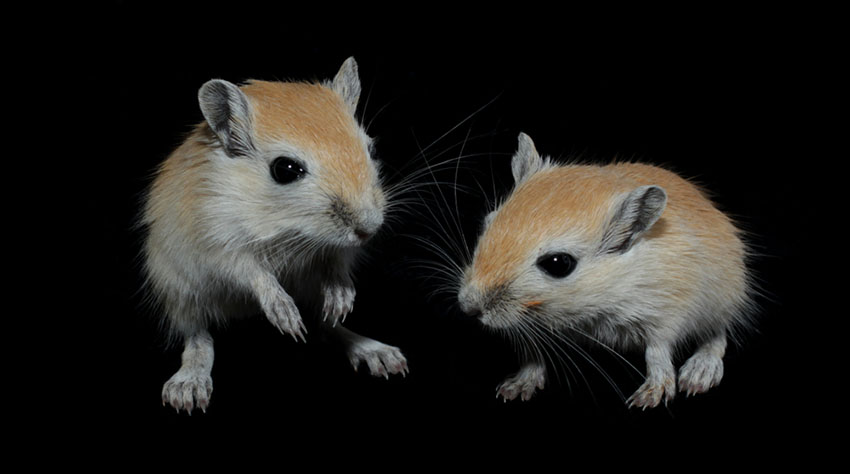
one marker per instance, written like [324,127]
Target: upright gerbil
[264,207]
[629,254]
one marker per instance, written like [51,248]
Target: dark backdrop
[719,100]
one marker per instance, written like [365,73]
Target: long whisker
[567,363]
[422,151]
[608,348]
[586,356]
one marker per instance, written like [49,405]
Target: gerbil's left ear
[346,83]
[636,214]
[526,161]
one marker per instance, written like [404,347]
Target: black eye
[557,265]
[286,170]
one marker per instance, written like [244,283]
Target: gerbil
[629,254]
[267,203]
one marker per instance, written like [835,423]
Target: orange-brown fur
[265,206]
[313,117]
[577,198]
[628,254]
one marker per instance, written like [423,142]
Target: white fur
[649,296]
[531,377]
[192,386]
[224,240]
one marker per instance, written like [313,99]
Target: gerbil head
[290,158]
[552,252]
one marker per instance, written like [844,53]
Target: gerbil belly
[615,332]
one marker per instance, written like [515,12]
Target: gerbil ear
[346,83]
[228,112]
[636,214]
[526,160]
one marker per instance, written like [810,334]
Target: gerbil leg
[381,359]
[704,369]
[278,306]
[192,385]
[660,379]
[531,376]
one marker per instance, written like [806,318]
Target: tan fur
[577,198]
[183,166]
[229,235]
[651,262]
[313,117]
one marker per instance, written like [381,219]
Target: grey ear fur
[526,161]
[635,215]
[228,113]
[346,83]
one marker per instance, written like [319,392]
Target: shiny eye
[286,170]
[557,265]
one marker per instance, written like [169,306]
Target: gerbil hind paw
[524,383]
[699,373]
[650,394]
[339,301]
[187,390]
[381,359]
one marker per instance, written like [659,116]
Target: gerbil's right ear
[228,112]
[526,160]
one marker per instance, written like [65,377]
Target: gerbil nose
[467,305]
[474,313]
[369,223]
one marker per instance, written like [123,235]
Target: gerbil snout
[368,224]
[492,308]
[468,304]
[361,223]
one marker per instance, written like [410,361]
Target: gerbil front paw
[283,313]
[381,359]
[339,301]
[699,373]
[523,383]
[186,390]
[649,394]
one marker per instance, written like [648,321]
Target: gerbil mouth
[357,237]
[363,235]
[489,319]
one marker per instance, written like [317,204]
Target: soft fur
[225,240]
[658,264]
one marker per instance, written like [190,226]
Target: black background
[722,97]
